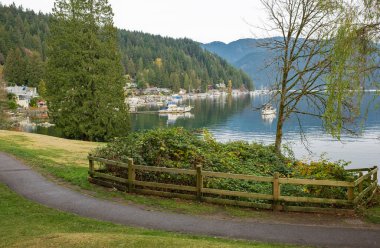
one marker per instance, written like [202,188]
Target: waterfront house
[23,94]
[221,86]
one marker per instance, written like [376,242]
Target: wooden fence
[356,193]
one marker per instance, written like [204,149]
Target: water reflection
[268,119]
[173,117]
[237,118]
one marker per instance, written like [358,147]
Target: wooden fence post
[350,194]
[91,165]
[276,192]
[375,174]
[199,182]
[131,175]
[361,183]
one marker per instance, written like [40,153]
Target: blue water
[235,119]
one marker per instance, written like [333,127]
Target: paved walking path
[33,186]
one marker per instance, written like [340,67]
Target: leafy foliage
[179,148]
[4,106]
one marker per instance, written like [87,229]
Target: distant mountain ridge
[248,56]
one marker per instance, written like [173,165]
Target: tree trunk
[281,112]
[280,124]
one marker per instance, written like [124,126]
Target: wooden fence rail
[355,192]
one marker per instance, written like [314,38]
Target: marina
[233,118]
[239,117]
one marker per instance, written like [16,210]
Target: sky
[201,20]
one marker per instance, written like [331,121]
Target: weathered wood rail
[356,193]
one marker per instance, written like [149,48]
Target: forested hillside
[175,63]
[150,60]
[249,57]
[23,44]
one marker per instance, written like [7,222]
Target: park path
[26,182]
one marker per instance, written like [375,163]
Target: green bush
[180,148]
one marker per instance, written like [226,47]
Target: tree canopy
[84,74]
[175,63]
[23,44]
[148,59]
[323,56]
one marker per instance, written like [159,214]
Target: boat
[173,117]
[268,109]
[174,108]
[268,119]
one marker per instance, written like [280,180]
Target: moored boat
[173,108]
[268,109]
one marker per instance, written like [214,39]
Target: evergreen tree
[42,89]
[4,120]
[2,59]
[15,68]
[144,56]
[35,69]
[84,74]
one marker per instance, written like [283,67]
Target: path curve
[33,186]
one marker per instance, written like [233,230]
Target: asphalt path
[26,182]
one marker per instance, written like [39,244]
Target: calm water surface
[234,118]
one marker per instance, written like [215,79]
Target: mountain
[248,56]
[148,59]
[175,63]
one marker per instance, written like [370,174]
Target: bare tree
[311,58]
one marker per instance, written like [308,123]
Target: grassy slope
[372,214]
[27,224]
[67,160]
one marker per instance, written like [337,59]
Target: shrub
[180,148]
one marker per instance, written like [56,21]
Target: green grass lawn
[372,214]
[27,224]
[66,160]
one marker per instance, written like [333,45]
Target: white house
[221,86]
[23,94]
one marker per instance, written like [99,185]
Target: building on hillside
[23,94]
[221,86]
[156,91]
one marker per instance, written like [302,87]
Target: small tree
[42,89]
[4,118]
[15,67]
[307,59]
[84,75]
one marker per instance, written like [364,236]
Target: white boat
[173,117]
[173,108]
[268,109]
[268,119]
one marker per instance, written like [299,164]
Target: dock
[144,112]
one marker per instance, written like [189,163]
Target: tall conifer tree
[84,75]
